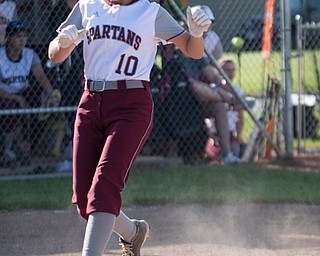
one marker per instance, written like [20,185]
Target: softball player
[115,113]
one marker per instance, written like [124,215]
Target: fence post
[286,75]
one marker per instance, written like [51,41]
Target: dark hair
[224,61]
[14,27]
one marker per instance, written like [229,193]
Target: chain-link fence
[306,100]
[36,135]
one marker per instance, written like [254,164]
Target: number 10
[130,66]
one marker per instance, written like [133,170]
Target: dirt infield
[225,230]
[188,230]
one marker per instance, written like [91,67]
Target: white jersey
[14,75]
[121,40]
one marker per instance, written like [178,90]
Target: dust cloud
[196,229]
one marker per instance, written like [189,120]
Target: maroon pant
[110,130]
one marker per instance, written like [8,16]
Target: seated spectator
[17,63]
[179,116]
[36,13]
[202,70]
[236,120]
[235,112]
[8,12]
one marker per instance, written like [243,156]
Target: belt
[102,85]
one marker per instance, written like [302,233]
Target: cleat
[133,248]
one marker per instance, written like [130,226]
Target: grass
[226,184]
[35,194]
[252,76]
[217,185]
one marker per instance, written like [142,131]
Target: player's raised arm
[64,43]
[191,44]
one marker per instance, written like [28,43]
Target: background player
[115,113]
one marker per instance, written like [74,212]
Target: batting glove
[198,22]
[70,35]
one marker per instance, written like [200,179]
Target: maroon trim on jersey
[176,35]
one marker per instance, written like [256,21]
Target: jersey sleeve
[74,17]
[166,27]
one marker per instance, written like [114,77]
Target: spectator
[201,71]
[179,115]
[212,41]
[8,12]
[36,13]
[235,112]
[17,63]
[174,98]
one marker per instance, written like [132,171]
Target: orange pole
[266,54]
[267,32]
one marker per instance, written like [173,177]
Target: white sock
[98,231]
[125,227]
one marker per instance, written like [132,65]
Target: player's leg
[88,142]
[133,233]
[88,145]
[125,137]
[127,116]
[125,227]
[98,231]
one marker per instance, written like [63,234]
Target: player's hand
[198,22]
[70,35]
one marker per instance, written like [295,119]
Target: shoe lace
[126,248]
